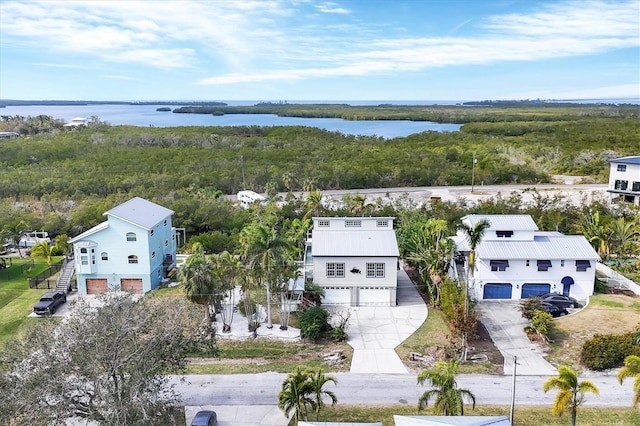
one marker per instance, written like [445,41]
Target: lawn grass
[605,314]
[523,415]
[17,299]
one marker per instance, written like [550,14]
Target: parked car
[561,301]
[205,418]
[554,310]
[49,302]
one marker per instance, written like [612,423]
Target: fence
[42,277]
[616,280]
[10,271]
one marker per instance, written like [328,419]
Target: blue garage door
[497,291]
[532,290]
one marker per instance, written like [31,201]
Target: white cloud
[330,7]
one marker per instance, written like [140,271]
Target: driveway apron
[505,324]
[374,332]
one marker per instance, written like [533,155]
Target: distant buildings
[624,179]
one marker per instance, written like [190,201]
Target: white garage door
[373,296]
[336,296]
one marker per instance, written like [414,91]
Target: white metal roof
[544,246]
[503,222]
[141,212]
[373,242]
[90,231]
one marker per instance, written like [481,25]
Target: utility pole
[473,171]
[513,390]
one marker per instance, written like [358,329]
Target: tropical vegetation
[304,390]
[571,392]
[448,398]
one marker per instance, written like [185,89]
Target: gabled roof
[359,243]
[89,232]
[503,222]
[545,245]
[140,212]
[632,159]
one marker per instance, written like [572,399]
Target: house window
[84,260]
[635,186]
[166,243]
[562,263]
[323,224]
[335,270]
[131,236]
[165,222]
[133,258]
[504,234]
[104,255]
[375,270]
[83,250]
[152,232]
[527,263]
[352,223]
[544,265]
[93,260]
[382,223]
[153,255]
[621,185]
[499,265]
[582,265]
[622,167]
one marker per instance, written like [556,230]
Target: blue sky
[273,50]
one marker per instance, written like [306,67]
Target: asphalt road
[388,389]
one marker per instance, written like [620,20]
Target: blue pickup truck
[49,302]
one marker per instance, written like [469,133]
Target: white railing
[615,279]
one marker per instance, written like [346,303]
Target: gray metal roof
[140,212]
[544,246]
[632,159]
[374,242]
[503,222]
[451,420]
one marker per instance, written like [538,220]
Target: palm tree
[317,380]
[474,236]
[571,392]
[226,272]
[624,237]
[265,252]
[43,249]
[596,233]
[313,204]
[632,369]
[296,395]
[196,277]
[449,399]
[13,232]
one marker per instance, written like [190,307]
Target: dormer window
[323,224]
[133,259]
[131,236]
[352,223]
[504,234]
[382,223]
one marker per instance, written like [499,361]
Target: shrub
[607,351]
[542,323]
[243,308]
[313,323]
[529,306]
[339,334]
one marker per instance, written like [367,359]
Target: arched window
[133,258]
[104,255]
[131,236]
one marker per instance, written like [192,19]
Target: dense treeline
[64,180]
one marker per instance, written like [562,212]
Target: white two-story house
[624,179]
[515,260]
[132,250]
[354,259]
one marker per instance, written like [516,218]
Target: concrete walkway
[505,324]
[374,332]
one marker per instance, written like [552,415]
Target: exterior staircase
[64,280]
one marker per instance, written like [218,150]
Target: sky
[287,50]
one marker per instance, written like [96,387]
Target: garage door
[497,291]
[96,286]
[373,296]
[337,296]
[132,285]
[533,290]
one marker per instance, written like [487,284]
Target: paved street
[381,389]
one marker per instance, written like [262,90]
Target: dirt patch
[483,344]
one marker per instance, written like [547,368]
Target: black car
[49,302]
[205,418]
[561,301]
[554,310]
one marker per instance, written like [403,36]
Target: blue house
[133,250]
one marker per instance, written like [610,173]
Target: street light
[473,171]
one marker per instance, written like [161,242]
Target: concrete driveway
[374,332]
[505,324]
